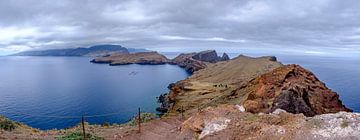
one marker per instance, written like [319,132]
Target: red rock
[293,89]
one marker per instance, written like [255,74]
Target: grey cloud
[183,25]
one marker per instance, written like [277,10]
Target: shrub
[106,124]
[251,118]
[79,136]
[144,117]
[6,124]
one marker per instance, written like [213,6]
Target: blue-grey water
[37,90]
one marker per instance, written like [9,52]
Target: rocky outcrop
[225,57]
[144,58]
[207,56]
[196,61]
[291,88]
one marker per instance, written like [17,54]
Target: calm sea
[37,90]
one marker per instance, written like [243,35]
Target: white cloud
[10,34]
[220,39]
[133,11]
[311,25]
[250,12]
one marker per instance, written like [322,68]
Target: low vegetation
[251,118]
[317,123]
[79,136]
[144,117]
[6,124]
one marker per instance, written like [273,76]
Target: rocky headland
[191,62]
[240,98]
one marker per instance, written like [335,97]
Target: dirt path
[163,129]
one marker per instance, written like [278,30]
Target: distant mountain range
[97,50]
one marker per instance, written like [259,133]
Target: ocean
[53,92]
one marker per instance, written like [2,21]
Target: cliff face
[291,88]
[207,56]
[196,61]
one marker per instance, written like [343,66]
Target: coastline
[203,80]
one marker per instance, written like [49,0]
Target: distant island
[93,51]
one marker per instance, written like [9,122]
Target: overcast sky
[319,27]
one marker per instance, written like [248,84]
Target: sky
[312,27]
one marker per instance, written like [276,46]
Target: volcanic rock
[207,56]
[293,89]
[196,61]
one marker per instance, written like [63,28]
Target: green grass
[251,118]
[79,136]
[6,124]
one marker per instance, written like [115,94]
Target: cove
[36,90]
